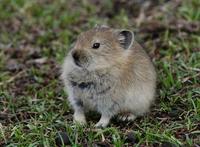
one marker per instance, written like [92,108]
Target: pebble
[62,139]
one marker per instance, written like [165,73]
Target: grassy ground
[34,38]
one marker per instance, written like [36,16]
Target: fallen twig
[13,78]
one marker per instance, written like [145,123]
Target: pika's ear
[126,38]
[98,26]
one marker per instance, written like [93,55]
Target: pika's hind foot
[127,117]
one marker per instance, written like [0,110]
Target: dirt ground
[35,36]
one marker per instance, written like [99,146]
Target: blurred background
[35,35]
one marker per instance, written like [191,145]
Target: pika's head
[101,47]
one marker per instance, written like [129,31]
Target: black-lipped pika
[109,72]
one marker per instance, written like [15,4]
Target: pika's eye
[96,45]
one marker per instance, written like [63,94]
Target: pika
[109,72]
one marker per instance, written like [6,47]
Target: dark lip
[77,63]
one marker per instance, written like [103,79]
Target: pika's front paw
[100,125]
[103,122]
[79,118]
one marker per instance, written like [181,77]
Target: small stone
[62,139]
[102,144]
[167,144]
[12,65]
[130,138]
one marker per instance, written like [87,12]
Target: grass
[33,105]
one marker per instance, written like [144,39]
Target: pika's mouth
[80,59]
[77,62]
